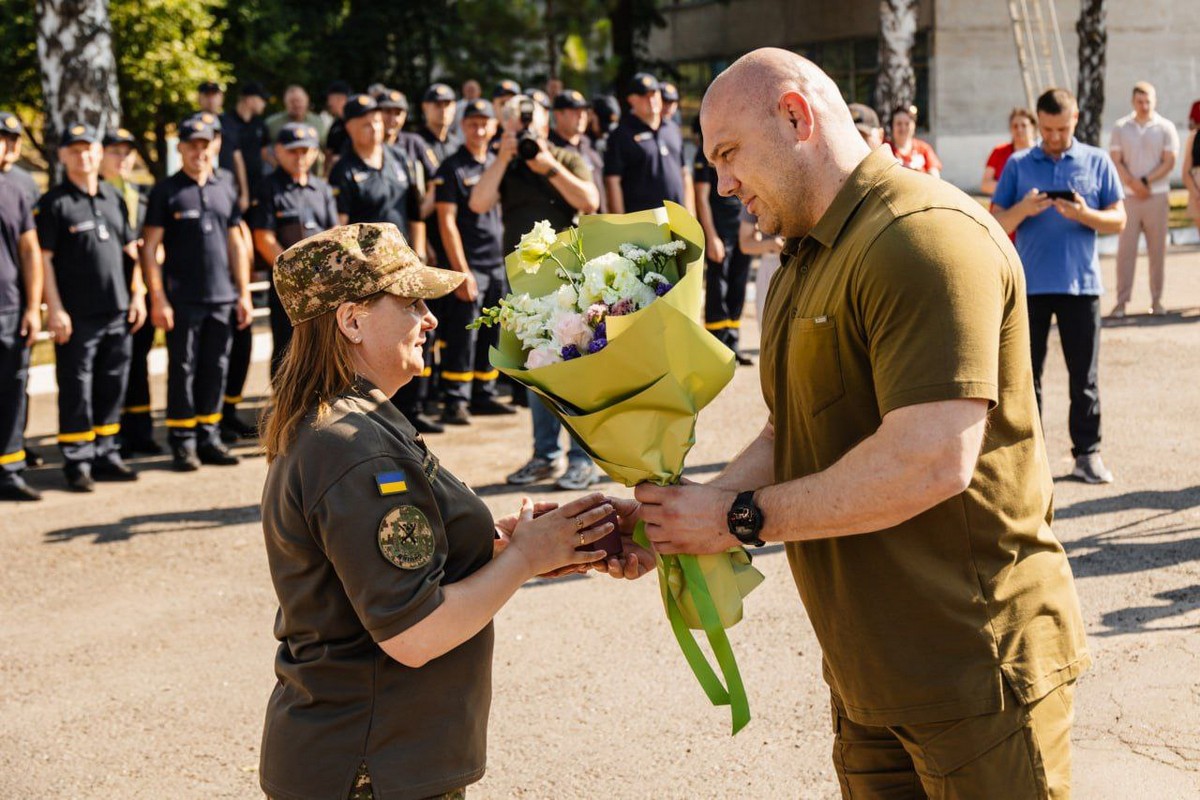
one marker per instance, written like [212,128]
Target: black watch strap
[746,520]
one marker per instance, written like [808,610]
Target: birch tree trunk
[1092,28]
[78,67]
[897,83]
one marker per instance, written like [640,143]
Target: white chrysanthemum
[628,285]
[535,245]
[566,297]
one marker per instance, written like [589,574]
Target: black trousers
[240,347]
[1078,319]
[197,362]
[281,329]
[92,368]
[14,377]
[725,291]
[467,374]
[136,422]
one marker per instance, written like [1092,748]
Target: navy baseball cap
[644,83]
[211,87]
[439,93]
[297,134]
[118,136]
[338,87]
[570,99]
[669,92]
[79,132]
[392,99]
[10,125]
[254,89]
[506,88]
[478,108]
[209,118]
[541,98]
[358,105]
[197,127]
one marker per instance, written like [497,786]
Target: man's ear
[799,113]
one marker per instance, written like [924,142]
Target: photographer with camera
[534,180]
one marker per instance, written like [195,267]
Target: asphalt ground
[135,623]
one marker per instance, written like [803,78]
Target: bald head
[781,137]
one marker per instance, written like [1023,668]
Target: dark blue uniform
[85,234]
[241,344]
[196,277]
[25,182]
[649,162]
[248,137]
[294,212]
[137,430]
[366,194]
[725,280]
[16,218]
[467,376]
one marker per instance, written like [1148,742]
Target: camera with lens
[527,140]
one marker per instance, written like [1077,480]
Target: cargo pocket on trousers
[992,755]
[814,363]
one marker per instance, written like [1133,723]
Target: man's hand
[635,560]
[1072,209]
[543,163]
[245,311]
[1034,203]
[508,147]
[690,519]
[1139,190]
[137,312]
[714,247]
[31,325]
[161,313]
[58,322]
[468,290]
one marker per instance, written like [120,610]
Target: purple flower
[662,288]
[571,351]
[601,331]
[621,308]
[597,344]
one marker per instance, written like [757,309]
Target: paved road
[135,624]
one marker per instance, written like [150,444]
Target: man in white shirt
[1144,147]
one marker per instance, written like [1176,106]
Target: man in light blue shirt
[1057,196]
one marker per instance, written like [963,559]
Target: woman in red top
[1021,125]
[912,152]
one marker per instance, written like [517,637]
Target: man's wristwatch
[1145,182]
[746,519]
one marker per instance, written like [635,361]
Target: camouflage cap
[351,262]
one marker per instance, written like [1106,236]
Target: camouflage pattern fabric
[351,262]
[362,788]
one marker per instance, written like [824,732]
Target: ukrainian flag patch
[390,483]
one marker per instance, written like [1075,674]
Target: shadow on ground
[143,524]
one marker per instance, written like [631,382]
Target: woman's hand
[548,542]
[635,560]
[507,524]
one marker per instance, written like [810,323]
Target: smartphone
[1061,194]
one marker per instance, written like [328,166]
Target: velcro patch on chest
[406,537]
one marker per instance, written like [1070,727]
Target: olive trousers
[1022,752]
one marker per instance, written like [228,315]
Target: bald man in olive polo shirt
[902,462]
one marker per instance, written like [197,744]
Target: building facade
[965,59]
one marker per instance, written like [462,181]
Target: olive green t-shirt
[905,292]
[363,530]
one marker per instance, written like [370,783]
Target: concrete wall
[974,79]
[705,30]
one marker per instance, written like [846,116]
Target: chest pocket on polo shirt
[814,363]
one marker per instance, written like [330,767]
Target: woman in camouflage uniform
[387,567]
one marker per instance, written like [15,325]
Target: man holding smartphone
[1057,197]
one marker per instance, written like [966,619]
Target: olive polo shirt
[905,292]
[527,197]
[347,578]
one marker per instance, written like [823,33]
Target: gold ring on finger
[578,524]
[581,542]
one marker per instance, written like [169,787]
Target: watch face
[742,519]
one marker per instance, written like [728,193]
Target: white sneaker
[1090,469]
[579,476]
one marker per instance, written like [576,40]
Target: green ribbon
[732,692]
